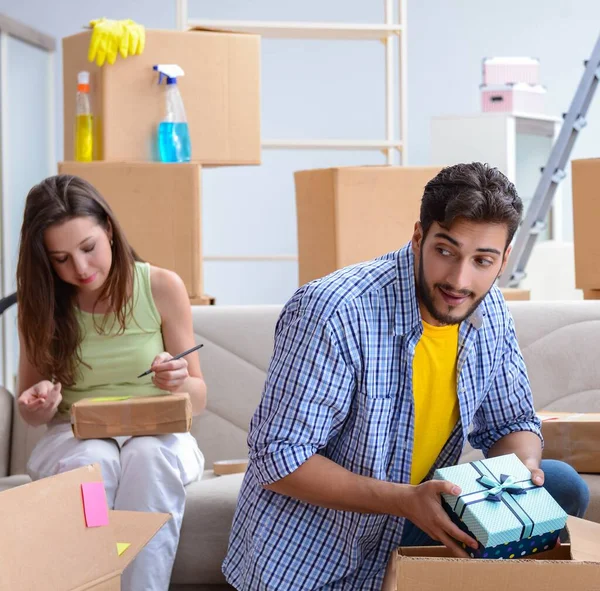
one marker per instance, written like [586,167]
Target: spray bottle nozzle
[168,71]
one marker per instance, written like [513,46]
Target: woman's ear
[109,231]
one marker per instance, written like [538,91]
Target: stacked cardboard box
[586,210]
[158,204]
[353,214]
[512,85]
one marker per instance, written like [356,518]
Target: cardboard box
[204,300]
[159,208]
[47,545]
[574,566]
[353,214]
[220,90]
[573,438]
[513,98]
[514,293]
[586,212]
[506,70]
[591,294]
[98,418]
[501,508]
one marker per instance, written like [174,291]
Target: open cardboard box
[574,438]
[574,566]
[45,543]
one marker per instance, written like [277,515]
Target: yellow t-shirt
[434,393]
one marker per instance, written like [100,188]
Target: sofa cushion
[9,482]
[24,439]
[238,344]
[209,510]
[559,342]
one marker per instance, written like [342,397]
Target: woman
[91,318]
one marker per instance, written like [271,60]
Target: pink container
[513,98]
[510,70]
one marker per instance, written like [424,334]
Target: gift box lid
[499,503]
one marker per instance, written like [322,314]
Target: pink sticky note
[95,507]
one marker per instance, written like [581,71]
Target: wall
[325,89]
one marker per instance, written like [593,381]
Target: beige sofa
[560,342]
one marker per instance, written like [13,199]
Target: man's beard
[426,296]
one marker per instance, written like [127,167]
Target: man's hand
[537,476]
[422,506]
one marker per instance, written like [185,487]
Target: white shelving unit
[395,110]
[517,144]
[391,33]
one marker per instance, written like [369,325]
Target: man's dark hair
[475,192]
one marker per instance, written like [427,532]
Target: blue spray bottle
[173,133]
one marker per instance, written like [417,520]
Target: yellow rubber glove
[110,37]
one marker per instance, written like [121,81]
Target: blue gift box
[501,508]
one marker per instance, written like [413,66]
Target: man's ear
[505,260]
[417,238]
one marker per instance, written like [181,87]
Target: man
[380,373]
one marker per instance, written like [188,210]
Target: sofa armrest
[6,414]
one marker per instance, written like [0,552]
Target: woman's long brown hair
[47,305]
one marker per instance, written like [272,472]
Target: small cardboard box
[47,545]
[94,418]
[574,566]
[586,212]
[506,70]
[501,508]
[514,293]
[573,438]
[159,208]
[513,98]
[220,91]
[352,214]
[204,300]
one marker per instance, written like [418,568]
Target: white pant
[140,474]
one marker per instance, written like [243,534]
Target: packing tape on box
[222,467]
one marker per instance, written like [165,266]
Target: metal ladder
[552,174]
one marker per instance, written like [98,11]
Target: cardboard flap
[136,528]
[211,29]
[45,538]
[585,539]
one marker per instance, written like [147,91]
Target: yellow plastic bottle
[84,135]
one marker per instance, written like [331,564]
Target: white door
[26,156]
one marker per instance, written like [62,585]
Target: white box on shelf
[507,70]
[517,144]
[513,98]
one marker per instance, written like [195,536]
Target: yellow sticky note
[122,546]
[109,398]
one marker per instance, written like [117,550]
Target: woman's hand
[38,404]
[169,374]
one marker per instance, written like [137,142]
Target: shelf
[331,144]
[247,258]
[301,30]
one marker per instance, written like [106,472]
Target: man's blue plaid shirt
[340,384]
